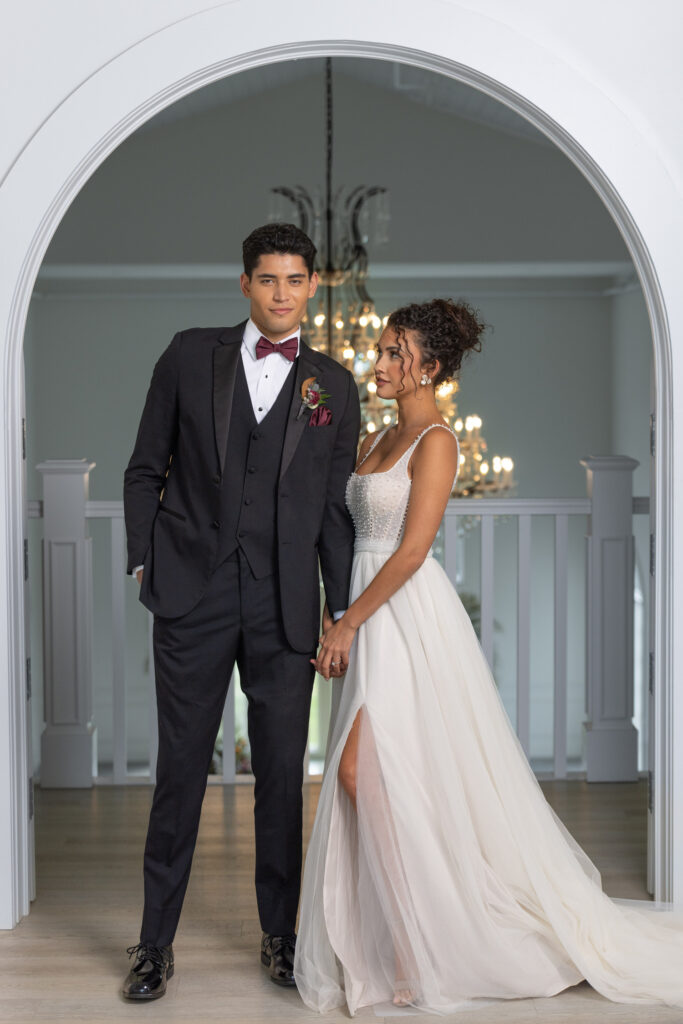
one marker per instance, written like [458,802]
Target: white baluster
[523,630]
[487,587]
[69,741]
[118,637]
[560,648]
[611,739]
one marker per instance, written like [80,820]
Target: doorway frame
[15,809]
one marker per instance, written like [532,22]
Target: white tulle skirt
[454,878]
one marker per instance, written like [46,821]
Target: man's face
[278,291]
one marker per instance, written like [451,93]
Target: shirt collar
[252,335]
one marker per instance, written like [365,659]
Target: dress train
[454,871]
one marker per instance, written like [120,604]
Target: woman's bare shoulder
[441,439]
[437,451]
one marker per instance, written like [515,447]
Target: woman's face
[398,367]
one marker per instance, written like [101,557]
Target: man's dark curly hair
[446,330]
[277,238]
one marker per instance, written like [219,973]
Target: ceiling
[415,85]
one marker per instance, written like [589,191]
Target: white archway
[159,69]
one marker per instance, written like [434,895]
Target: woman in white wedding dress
[437,875]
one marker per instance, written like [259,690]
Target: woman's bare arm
[434,464]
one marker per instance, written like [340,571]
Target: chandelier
[346,324]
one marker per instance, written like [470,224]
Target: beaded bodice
[378,502]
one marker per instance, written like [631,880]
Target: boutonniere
[313,397]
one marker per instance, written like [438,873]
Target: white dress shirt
[265,376]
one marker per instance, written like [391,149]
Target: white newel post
[611,739]
[69,741]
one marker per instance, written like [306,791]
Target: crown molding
[552,278]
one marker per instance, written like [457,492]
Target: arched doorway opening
[639,255]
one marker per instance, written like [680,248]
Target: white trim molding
[553,278]
[53,273]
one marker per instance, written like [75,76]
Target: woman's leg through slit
[360,775]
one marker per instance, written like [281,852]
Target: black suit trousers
[238,620]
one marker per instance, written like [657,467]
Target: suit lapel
[307,366]
[225,362]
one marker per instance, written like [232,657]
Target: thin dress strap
[422,434]
[419,437]
[375,441]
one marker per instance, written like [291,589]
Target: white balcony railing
[485,512]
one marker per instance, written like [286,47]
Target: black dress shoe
[152,969]
[277,955]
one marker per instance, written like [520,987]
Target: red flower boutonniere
[314,398]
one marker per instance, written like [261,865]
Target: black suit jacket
[172,486]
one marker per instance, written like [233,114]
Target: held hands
[333,657]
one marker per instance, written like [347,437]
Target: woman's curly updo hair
[446,330]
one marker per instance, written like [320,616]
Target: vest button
[217,478]
[255,436]
[242,533]
[247,501]
[216,525]
[252,469]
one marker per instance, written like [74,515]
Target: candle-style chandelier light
[346,323]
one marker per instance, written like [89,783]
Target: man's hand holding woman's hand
[333,657]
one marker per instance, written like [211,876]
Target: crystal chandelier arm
[301,200]
[359,275]
[359,258]
[358,281]
[357,209]
[304,198]
[345,204]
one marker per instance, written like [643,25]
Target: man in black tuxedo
[234,498]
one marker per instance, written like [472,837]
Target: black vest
[250,478]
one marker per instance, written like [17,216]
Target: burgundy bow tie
[287,348]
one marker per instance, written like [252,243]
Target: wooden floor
[66,960]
